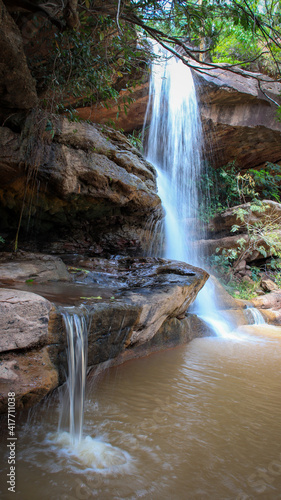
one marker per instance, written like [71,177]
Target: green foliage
[135,139]
[221,262]
[238,32]
[88,65]
[242,289]
[226,187]
[261,235]
[97,60]
[235,44]
[275,264]
[30,281]
[255,273]
[277,280]
[268,181]
[2,240]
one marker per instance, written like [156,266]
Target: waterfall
[89,452]
[174,147]
[76,326]
[255,315]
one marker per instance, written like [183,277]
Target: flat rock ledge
[135,306]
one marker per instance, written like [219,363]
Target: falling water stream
[255,315]
[201,421]
[77,350]
[69,439]
[174,147]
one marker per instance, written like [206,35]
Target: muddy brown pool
[201,421]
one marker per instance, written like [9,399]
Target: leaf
[77,270]
[90,298]
[49,126]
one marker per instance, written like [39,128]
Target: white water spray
[90,452]
[174,147]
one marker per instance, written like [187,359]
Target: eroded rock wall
[238,111]
[79,187]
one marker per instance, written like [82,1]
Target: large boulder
[24,319]
[25,364]
[222,223]
[132,306]
[31,376]
[80,186]
[269,305]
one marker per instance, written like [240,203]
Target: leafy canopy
[103,45]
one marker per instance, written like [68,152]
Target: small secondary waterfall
[256,316]
[174,147]
[91,452]
[76,326]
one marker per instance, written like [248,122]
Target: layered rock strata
[238,111]
[75,186]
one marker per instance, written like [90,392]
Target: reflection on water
[197,422]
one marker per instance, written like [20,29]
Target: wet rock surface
[134,301]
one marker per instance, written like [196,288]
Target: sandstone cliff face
[238,115]
[82,187]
